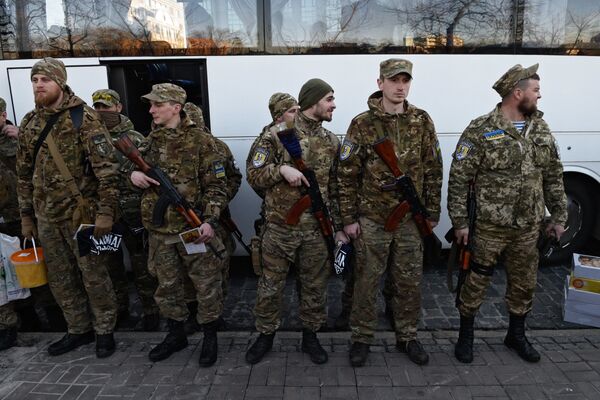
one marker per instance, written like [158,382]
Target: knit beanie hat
[53,69]
[311,92]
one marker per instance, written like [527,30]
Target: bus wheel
[580,221]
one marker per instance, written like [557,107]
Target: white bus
[231,55]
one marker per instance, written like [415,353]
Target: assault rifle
[230,225]
[168,192]
[410,199]
[313,197]
[460,254]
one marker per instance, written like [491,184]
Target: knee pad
[482,269]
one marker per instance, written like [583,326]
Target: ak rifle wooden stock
[168,193]
[313,197]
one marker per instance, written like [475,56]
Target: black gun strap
[76,119]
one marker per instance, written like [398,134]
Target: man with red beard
[67,176]
[512,159]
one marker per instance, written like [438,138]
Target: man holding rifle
[195,172]
[512,159]
[295,165]
[390,178]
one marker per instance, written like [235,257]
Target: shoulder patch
[463,148]
[494,135]
[102,145]
[260,157]
[346,150]
[437,151]
[219,169]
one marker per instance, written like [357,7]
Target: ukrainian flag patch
[494,135]
[219,169]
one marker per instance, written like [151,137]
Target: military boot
[69,342]
[515,339]
[105,345]
[463,350]
[174,341]
[262,346]
[191,324]
[151,322]
[415,351]
[311,346]
[358,354]
[8,338]
[208,354]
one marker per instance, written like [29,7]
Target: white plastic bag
[9,245]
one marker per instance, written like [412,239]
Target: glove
[28,229]
[103,225]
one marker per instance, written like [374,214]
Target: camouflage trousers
[145,283]
[348,292]
[170,264]
[229,243]
[78,282]
[282,246]
[518,246]
[401,253]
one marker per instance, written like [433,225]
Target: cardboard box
[582,319]
[587,285]
[582,296]
[587,267]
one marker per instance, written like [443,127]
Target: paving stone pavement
[570,369]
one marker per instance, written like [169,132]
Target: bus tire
[580,220]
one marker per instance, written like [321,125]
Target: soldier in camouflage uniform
[365,208]
[108,104]
[234,180]
[61,204]
[271,171]
[191,160]
[283,108]
[513,160]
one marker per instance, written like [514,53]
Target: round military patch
[260,157]
[346,150]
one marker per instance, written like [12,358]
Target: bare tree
[580,26]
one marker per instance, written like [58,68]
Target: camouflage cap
[394,66]
[166,92]
[53,69]
[2,105]
[108,97]
[509,80]
[279,103]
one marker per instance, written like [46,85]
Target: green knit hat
[311,92]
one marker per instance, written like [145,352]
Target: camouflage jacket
[191,160]
[266,130]
[319,151]
[362,172]
[9,205]
[129,195]
[88,154]
[8,149]
[515,174]
[234,176]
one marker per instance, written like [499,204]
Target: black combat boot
[262,346]
[105,345]
[70,342]
[515,339]
[342,322]
[208,354]
[415,351]
[174,341]
[463,350]
[8,338]
[311,346]
[358,354]
[191,324]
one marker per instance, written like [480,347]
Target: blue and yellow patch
[463,149]
[346,150]
[437,152]
[219,169]
[494,135]
[260,157]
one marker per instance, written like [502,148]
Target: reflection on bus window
[77,28]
